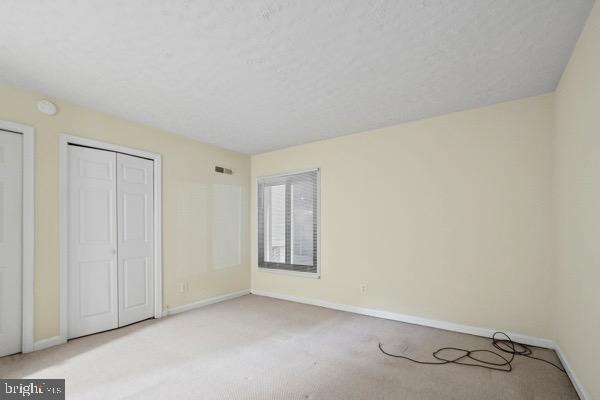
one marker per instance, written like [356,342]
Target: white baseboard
[56,340]
[576,383]
[49,342]
[205,302]
[449,326]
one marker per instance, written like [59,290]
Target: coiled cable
[473,358]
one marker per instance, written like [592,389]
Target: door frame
[64,141]
[28,230]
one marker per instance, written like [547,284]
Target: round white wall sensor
[46,107]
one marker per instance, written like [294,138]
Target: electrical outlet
[183,287]
[363,289]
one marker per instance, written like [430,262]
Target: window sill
[312,275]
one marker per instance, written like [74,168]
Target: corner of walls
[188,183]
[485,173]
[555,235]
[576,318]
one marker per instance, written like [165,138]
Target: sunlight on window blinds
[191,216]
[227,226]
[287,222]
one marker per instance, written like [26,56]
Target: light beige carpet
[260,348]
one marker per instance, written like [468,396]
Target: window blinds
[288,222]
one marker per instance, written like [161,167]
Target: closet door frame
[28,230]
[64,141]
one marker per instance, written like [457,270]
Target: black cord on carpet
[463,356]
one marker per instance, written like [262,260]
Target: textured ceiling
[259,75]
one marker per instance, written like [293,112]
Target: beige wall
[450,218]
[447,218]
[187,192]
[577,118]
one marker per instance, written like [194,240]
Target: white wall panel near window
[227,226]
[10,241]
[110,240]
[191,249]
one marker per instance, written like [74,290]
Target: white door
[92,242]
[11,209]
[135,210]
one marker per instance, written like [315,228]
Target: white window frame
[314,275]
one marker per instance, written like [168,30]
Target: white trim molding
[64,141]
[205,302]
[449,326]
[49,342]
[567,366]
[58,340]
[28,229]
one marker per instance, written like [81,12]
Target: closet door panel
[92,241]
[135,209]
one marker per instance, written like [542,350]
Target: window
[288,222]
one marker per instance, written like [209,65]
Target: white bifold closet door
[135,233]
[111,266]
[92,246]
[11,236]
